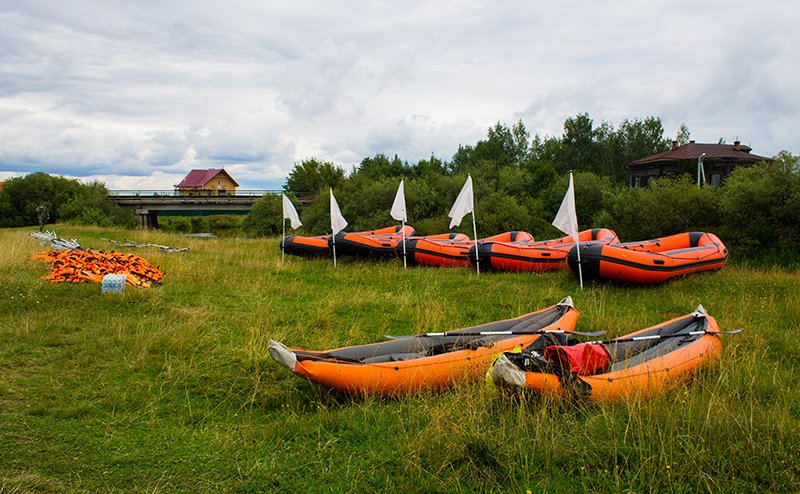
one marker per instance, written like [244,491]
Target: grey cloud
[147,89]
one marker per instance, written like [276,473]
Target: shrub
[664,207]
[761,207]
[175,224]
[66,200]
[265,218]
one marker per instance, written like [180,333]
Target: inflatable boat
[650,261]
[535,256]
[430,251]
[373,244]
[638,364]
[298,245]
[424,362]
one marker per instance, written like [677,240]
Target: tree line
[519,182]
[67,200]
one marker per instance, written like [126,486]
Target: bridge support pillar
[148,219]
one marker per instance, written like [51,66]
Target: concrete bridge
[149,203]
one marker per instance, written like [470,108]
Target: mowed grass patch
[171,389]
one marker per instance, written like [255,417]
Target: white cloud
[137,92]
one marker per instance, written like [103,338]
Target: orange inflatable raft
[298,245]
[374,244]
[424,362]
[431,251]
[534,256]
[639,364]
[650,261]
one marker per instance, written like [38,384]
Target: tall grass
[171,388]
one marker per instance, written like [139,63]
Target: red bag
[583,358]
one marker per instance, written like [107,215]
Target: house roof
[198,178]
[692,151]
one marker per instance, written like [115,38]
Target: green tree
[66,200]
[579,147]
[498,213]
[266,217]
[380,166]
[683,136]
[665,207]
[761,207]
[310,176]
[591,193]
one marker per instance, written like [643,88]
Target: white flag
[290,213]
[566,219]
[399,204]
[463,205]
[337,220]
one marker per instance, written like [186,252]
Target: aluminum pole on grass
[580,269]
[465,204]
[283,242]
[338,223]
[566,220]
[405,266]
[333,238]
[398,212]
[475,234]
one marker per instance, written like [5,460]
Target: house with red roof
[718,161]
[214,181]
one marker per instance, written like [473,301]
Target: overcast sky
[136,93]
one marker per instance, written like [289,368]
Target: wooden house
[718,161]
[211,182]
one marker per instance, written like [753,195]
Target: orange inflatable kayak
[298,245]
[424,362]
[432,251]
[535,256]
[643,363]
[375,244]
[650,261]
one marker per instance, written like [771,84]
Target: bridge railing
[175,193]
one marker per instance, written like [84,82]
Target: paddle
[660,336]
[496,333]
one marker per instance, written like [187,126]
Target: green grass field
[171,389]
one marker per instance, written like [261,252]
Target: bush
[591,193]
[175,224]
[265,218]
[499,213]
[664,207]
[761,208]
[66,200]
[225,224]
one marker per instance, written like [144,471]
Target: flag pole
[475,233]
[283,244]
[577,235]
[580,270]
[405,266]
[333,238]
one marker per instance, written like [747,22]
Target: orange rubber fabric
[430,373]
[651,261]
[646,379]
[454,252]
[377,243]
[535,256]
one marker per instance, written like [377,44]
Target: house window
[716,179]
